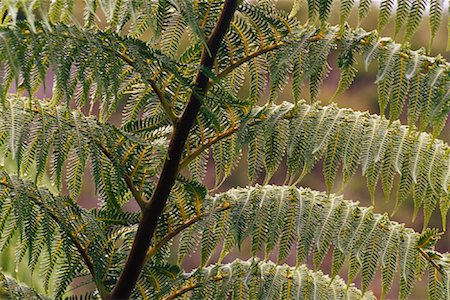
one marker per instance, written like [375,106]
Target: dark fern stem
[155,207]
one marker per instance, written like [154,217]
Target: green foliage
[254,279]
[341,138]
[280,217]
[129,58]
[11,289]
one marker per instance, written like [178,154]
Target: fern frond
[345,10]
[272,216]
[56,138]
[53,230]
[401,14]
[253,279]
[363,9]
[436,9]
[11,289]
[384,14]
[73,241]
[129,17]
[383,148]
[93,66]
[135,18]
[399,68]
[414,18]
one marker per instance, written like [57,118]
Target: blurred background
[361,96]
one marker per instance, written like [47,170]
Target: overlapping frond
[11,289]
[40,136]
[281,218]
[44,138]
[408,15]
[302,54]
[402,73]
[136,18]
[156,76]
[131,17]
[53,231]
[88,66]
[254,279]
[344,140]
[67,242]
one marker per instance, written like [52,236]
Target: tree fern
[144,115]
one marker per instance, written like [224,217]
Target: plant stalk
[153,210]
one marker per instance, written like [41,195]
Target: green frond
[279,217]
[136,18]
[317,58]
[11,289]
[254,279]
[313,9]
[384,14]
[363,9]
[324,9]
[435,287]
[303,55]
[401,14]
[42,137]
[52,230]
[44,130]
[68,241]
[346,61]
[186,9]
[435,20]
[306,134]
[415,17]
[89,65]
[131,17]
[345,10]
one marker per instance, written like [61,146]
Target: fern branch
[245,59]
[138,196]
[288,56]
[52,211]
[164,102]
[44,113]
[153,210]
[240,279]
[207,145]
[92,66]
[309,133]
[280,217]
